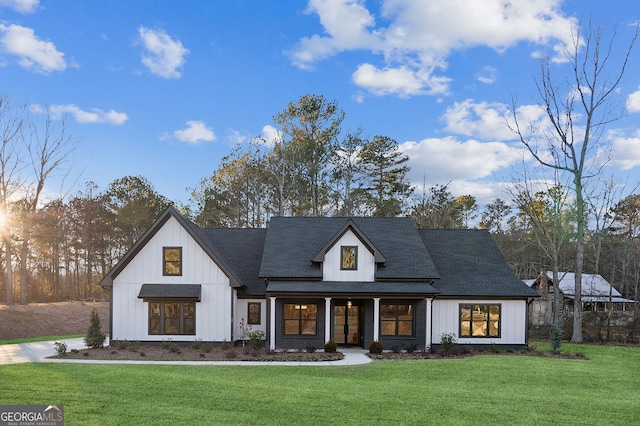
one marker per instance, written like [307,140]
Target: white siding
[243,314]
[213,312]
[513,321]
[366,262]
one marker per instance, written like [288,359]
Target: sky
[165,89]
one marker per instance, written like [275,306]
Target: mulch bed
[203,353]
[462,352]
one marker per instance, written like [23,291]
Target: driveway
[39,351]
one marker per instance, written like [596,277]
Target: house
[304,281]
[597,295]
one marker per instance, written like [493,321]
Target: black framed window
[396,319]
[300,319]
[349,258]
[480,320]
[172,317]
[172,261]
[253,313]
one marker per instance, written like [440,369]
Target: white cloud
[491,120]
[633,101]
[22,6]
[195,133]
[488,75]
[83,117]
[162,55]
[33,54]
[625,150]
[420,35]
[270,135]
[447,159]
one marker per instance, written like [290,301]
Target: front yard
[483,389]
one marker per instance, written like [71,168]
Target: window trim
[162,317]
[251,321]
[488,320]
[343,250]
[165,272]
[412,308]
[300,320]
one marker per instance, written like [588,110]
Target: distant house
[597,295]
[304,281]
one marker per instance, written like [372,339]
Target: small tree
[95,337]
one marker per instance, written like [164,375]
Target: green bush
[448,341]
[331,347]
[61,348]
[256,339]
[376,347]
[95,337]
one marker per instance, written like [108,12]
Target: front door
[347,324]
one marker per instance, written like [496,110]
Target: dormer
[349,256]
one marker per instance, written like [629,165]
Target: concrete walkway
[39,351]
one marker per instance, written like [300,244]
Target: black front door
[346,319]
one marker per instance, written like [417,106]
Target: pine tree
[95,337]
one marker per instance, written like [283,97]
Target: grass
[494,389]
[38,339]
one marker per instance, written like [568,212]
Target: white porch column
[376,318]
[272,324]
[428,330]
[327,319]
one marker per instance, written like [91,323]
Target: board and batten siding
[366,263]
[213,313]
[242,314]
[513,321]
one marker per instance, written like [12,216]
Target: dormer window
[349,258]
[172,261]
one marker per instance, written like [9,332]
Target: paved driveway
[34,351]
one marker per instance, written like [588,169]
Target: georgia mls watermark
[31,415]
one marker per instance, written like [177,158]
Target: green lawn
[38,339]
[487,389]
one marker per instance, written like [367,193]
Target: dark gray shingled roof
[471,264]
[292,242]
[241,250]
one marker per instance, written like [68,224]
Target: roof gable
[350,225]
[194,231]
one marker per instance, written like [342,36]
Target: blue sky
[164,89]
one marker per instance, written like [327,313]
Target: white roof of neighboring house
[594,287]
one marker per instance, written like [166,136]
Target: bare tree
[12,122]
[49,147]
[577,114]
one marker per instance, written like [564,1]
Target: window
[253,313]
[172,261]
[172,317]
[396,319]
[300,319]
[479,320]
[349,258]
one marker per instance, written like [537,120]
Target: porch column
[376,318]
[327,319]
[427,338]
[272,324]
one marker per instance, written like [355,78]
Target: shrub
[411,348]
[197,344]
[331,347]
[123,344]
[310,348]
[376,347]
[396,349]
[61,348]
[225,345]
[256,339]
[556,338]
[448,341]
[95,337]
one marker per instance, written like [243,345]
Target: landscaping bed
[198,352]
